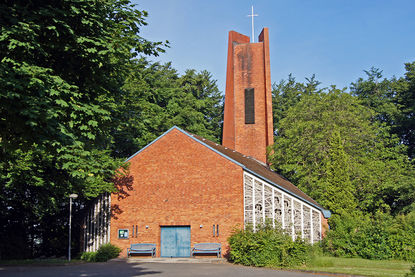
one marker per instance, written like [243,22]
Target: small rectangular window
[217,230]
[213,229]
[249,106]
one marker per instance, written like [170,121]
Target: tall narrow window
[249,106]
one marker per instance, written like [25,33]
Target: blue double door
[175,241]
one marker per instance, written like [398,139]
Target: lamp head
[73,196]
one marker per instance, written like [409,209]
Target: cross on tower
[252,17]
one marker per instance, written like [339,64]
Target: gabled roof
[251,165]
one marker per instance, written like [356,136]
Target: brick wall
[178,181]
[248,67]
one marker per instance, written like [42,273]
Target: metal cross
[252,16]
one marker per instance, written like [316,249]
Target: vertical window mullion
[302,220]
[321,234]
[273,208]
[292,219]
[253,204]
[311,225]
[263,203]
[282,211]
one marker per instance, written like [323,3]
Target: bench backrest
[207,246]
[142,246]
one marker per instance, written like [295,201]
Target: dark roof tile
[260,169]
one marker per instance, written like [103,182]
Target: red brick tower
[248,126]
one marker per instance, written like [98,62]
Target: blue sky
[334,39]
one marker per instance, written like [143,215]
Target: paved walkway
[132,268]
[175,260]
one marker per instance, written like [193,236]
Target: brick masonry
[178,181]
[248,67]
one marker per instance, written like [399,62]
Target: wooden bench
[207,248]
[142,248]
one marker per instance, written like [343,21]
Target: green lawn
[359,266]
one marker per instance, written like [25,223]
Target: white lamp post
[72,196]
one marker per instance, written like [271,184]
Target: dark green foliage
[393,100]
[61,66]
[377,94]
[267,247]
[89,257]
[72,97]
[287,93]
[155,98]
[331,148]
[412,272]
[405,101]
[348,151]
[379,237]
[107,252]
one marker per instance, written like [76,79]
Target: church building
[183,189]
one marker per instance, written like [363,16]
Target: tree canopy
[155,98]
[77,99]
[393,101]
[62,64]
[329,145]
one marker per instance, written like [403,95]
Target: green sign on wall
[123,233]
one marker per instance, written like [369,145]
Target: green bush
[107,252]
[267,247]
[104,253]
[411,272]
[88,256]
[402,237]
[378,237]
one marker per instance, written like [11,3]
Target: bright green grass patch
[358,266]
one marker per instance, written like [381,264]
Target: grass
[358,266]
[355,266]
[38,262]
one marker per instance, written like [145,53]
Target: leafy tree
[155,98]
[61,66]
[377,94]
[288,93]
[207,103]
[329,146]
[405,100]
[380,236]
[336,190]
[392,100]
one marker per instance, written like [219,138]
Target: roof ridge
[224,151]
[248,164]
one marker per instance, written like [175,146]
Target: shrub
[267,247]
[411,272]
[104,253]
[402,237]
[378,237]
[88,256]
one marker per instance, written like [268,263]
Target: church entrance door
[175,241]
